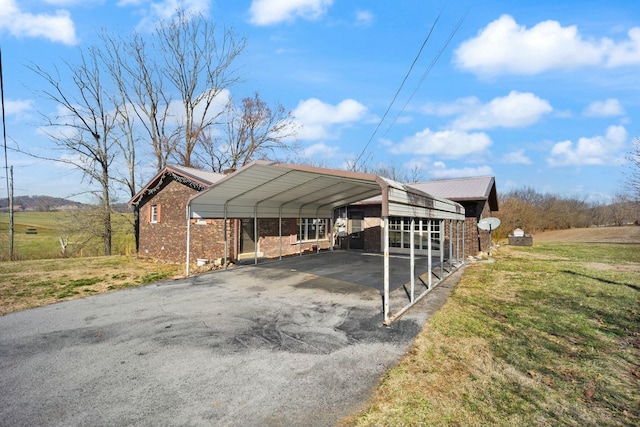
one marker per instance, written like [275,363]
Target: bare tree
[176,81]
[199,66]
[633,180]
[83,128]
[139,77]
[253,131]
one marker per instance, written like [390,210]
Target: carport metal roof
[266,189]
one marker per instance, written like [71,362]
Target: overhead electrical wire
[428,70]
[424,43]
[424,76]
[4,126]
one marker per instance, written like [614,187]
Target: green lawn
[45,230]
[547,335]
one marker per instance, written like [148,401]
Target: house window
[400,233]
[314,228]
[154,214]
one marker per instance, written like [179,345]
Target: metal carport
[266,189]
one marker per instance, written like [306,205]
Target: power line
[424,43]
[428,70]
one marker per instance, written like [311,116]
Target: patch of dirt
[626,234]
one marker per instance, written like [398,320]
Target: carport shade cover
[264,189]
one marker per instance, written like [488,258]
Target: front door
[247,238]
[356,230]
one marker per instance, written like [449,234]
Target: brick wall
[166,240]
[269,241]
[372,228]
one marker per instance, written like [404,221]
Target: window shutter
[148,213]
[159,210]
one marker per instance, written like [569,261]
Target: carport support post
[330,232]
[385,303]
[188,239]
[255,235]
[412,251]
[280,232]
[441,230]
[457,241]
[317,234]
[429,254]
[225,236]
[450,244]
[300,232]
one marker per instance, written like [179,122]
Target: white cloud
[364,18]
[608,108]
[504,47]
[627,52]
[156,11]
[447,143]
[269,12]
[321,150]
[512,111]
[517,157]
[18,106]
[597,150]
[67,3]
[316,118]
[459,106]
[440,171]
[57,27]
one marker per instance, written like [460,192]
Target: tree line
[166,95]
[533,212]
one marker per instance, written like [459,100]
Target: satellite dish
[488,224]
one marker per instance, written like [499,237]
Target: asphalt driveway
[289,343]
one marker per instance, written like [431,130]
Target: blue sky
[540,93]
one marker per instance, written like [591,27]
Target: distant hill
[39,204]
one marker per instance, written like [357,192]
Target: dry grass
[627,234]
[544,336]
[27,284]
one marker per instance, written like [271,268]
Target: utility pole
[11,231]
[6,164]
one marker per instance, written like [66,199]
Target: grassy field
[27,284]
[37,234]
[545,335]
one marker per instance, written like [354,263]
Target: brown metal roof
[201,178]
[463,189]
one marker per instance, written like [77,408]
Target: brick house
[162,203]
[163,222]
[479,198]
[477,195]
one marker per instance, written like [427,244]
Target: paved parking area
[298,342]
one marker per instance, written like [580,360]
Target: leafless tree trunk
[83,127]
[633,180]
[253,131]
[199,66]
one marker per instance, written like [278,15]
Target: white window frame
[314,229]
[153,217]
